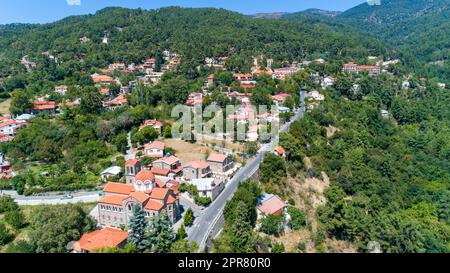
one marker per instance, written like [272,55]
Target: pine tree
[181,234]
[138,226]
[160,234]
[241,236]
[189,218]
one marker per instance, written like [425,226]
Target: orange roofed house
[153,195]
[100,239]
[102,79]
[43,107]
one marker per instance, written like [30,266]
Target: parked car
[67,196]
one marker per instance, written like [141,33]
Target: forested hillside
[193,33]
[416,29]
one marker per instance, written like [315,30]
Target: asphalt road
[203,224]
[79,197]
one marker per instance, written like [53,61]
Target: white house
[316,95]
[155,149]
[208,187]
[110,172]
[328,82]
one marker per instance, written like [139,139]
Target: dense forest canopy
[417,30]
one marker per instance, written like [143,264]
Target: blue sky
[44,11]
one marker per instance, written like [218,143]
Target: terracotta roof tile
[119,188]
[105,238]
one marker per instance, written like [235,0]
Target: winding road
[206,221]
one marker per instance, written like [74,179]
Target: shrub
[298,218]
[15,219]
[202,201]
[272,225]
[5,235]
[7,204]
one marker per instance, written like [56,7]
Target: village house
[354,68]
[154,149]
[328,82]
[43,106]
[119,101]
[9,127]
[196,170]
[243,77]
[110,172]
[117,66]
[169,163]
[208,187]
[116,206]
[280,151]
[220,163]
[279,99]
[100,239]
[194,99]
[282,73]
[312,105]
[315,95]
[102,79]
[157,125]
[61,89]
[269,204]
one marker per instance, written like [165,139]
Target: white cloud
[73,2]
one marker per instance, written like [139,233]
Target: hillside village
[346,124]
[153,177]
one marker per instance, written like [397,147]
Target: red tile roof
[118,188]
[155,145]
[44,105]
[102,78]
[160,172]
[159,193]
[132,162]
[197,165]
[113,200]
[145,175]
[168,160]
[141,197]
[272,206]
[154,205]
[217,158]
[99,239]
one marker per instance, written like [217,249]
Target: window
[130,207]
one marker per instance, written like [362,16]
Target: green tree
[121,142]
[138,227]
[53,227]
[184,246]
[189,218]
[298,218]
[91,101]
[21,102]
[160,234]
[241,236]
[5,235]
[272,225]
[181,233]
[7,204]
[15,219]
